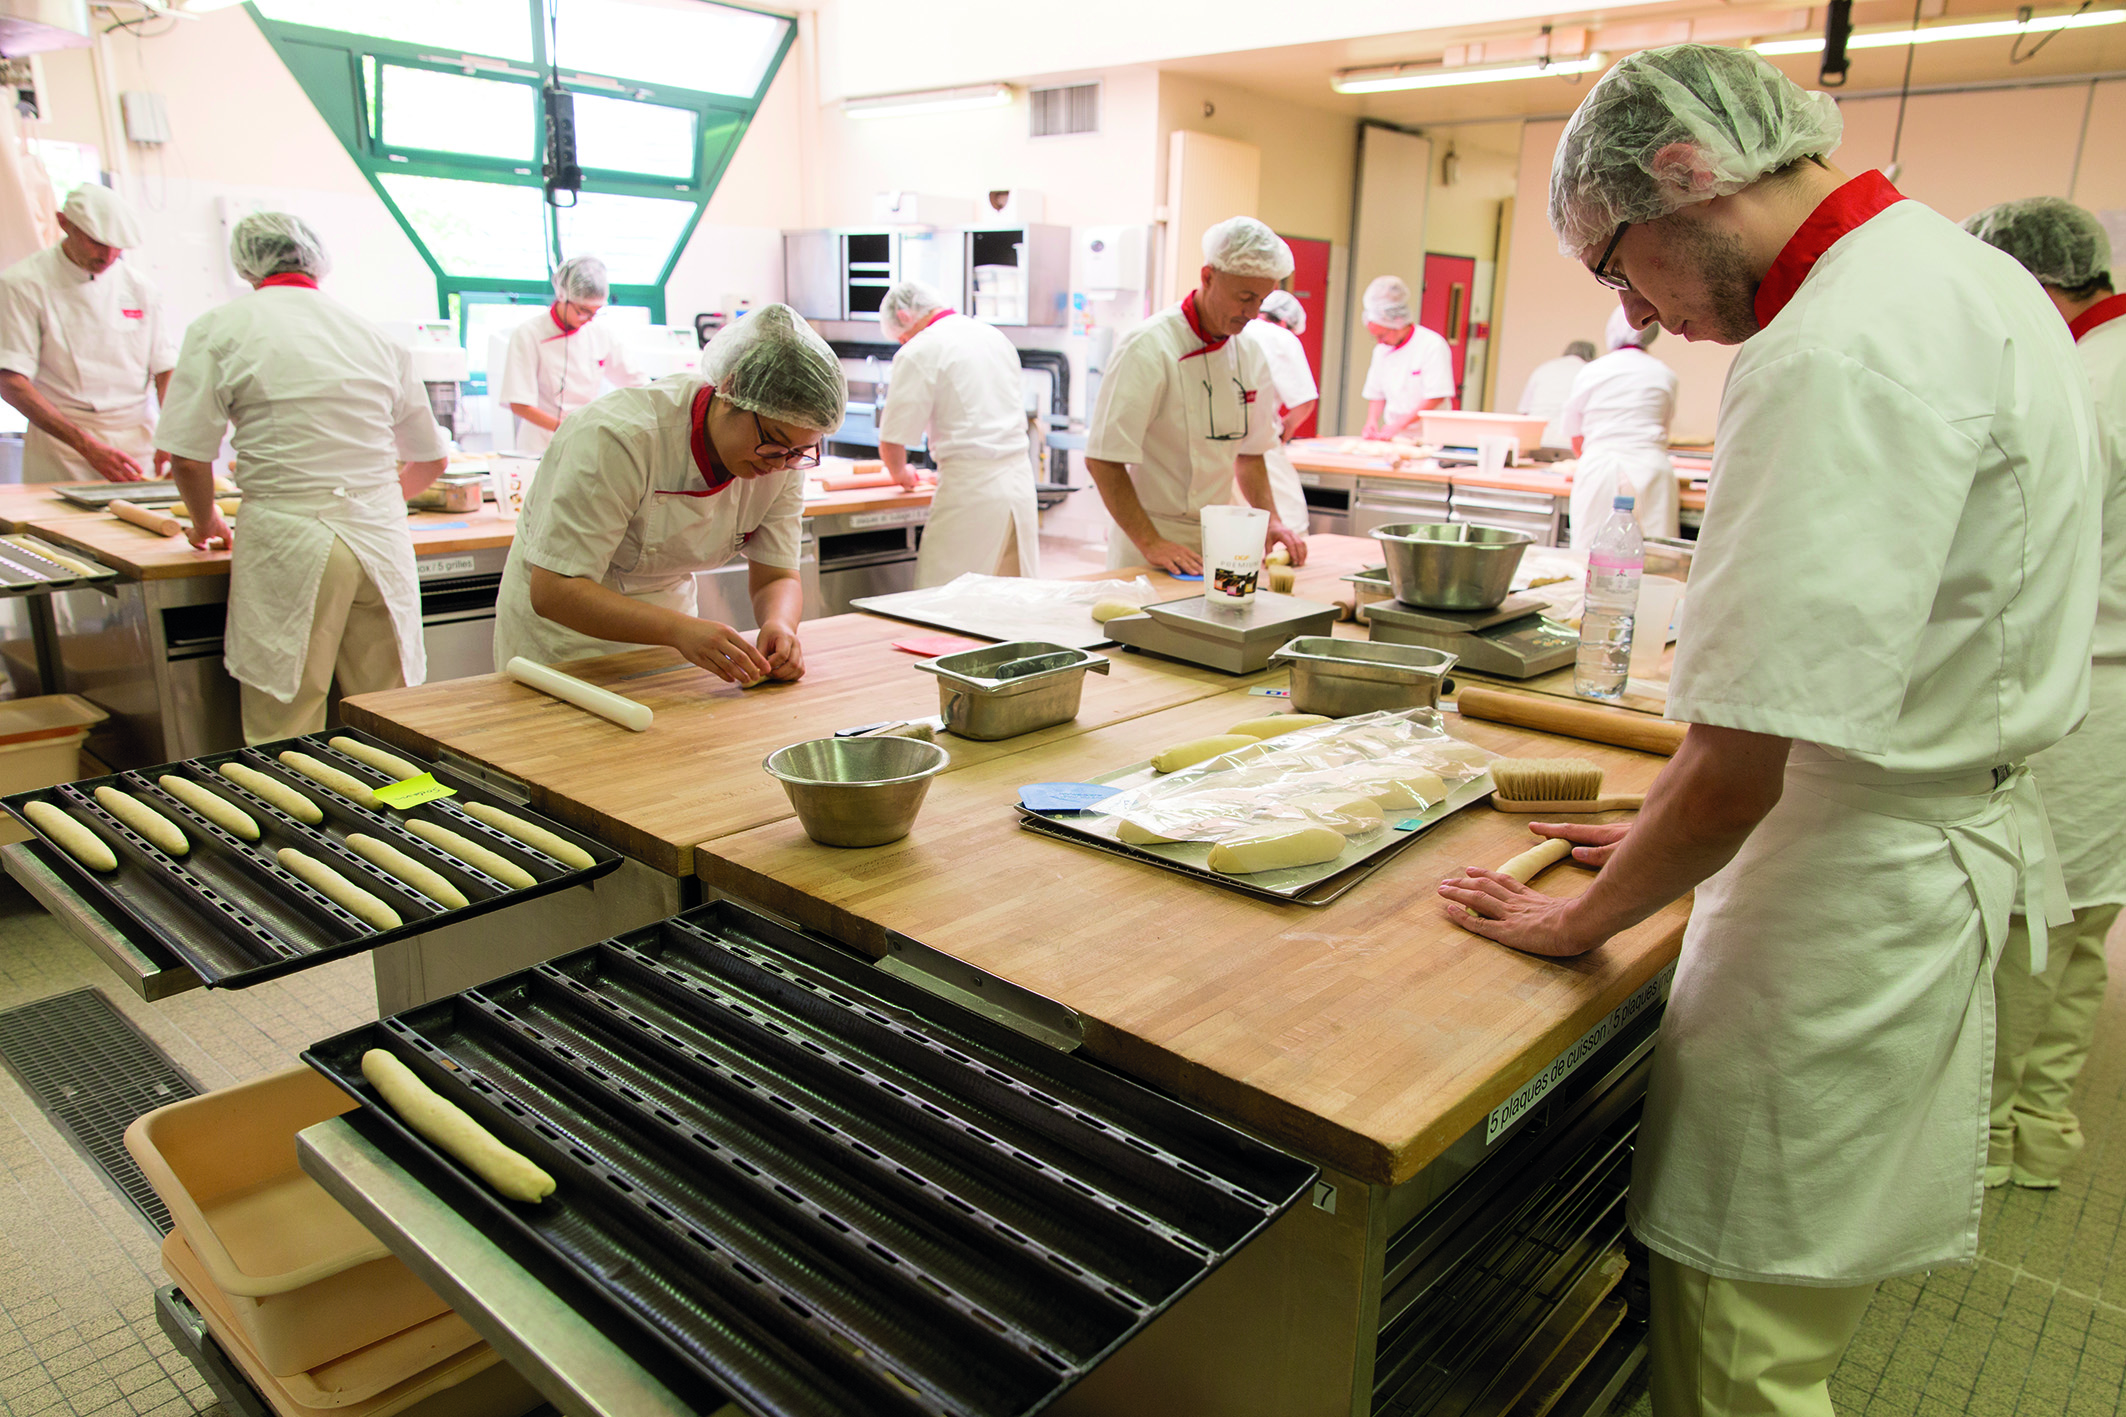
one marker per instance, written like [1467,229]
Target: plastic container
[40,740]
[1233,548]
[1615,562]
[1461,428]
[304,1282]
[509,479]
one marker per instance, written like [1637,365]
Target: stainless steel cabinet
[1018,275]
[1537,513]
[843,274]
[1383,504]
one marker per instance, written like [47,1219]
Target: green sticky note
[414,791]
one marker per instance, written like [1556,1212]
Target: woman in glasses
[648,486]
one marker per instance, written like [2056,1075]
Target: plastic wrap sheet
[1014,608]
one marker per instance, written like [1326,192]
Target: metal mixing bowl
[857,791]
[1451,565]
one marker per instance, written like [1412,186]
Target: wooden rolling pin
[161,523]
[1594,722]
[603,702]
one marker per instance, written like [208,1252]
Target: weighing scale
[1512,639]
[1236,639]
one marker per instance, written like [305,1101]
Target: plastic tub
[305,1283]
[1458,428]
[40,740]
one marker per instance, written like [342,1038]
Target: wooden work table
[144,555]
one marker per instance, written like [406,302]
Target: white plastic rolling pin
[625,712]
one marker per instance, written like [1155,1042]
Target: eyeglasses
[1210,398]
[771,451]
[1602,273]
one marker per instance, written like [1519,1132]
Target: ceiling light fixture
[1932,34]
[902,105]
[1397,77]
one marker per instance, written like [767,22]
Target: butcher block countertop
[23,503]
[866,499]
[144,555]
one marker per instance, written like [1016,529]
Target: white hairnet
[1243,246]
[275,243]
[907,304]
[1580,349]
[773,364]
[1669,127]
[102,215]
[1388,302]
[1284,307]
[581,278]
[2058,242]
[1620,335]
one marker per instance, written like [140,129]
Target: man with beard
[1891,608]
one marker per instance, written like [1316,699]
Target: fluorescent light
[899,105]
[1988,29]
[1434,76]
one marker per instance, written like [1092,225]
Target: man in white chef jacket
[560,359]
[1278,327]
[83,337]
[958,380]
[1187,410]
[1412,367]
[1617,418]
[1548,386]
[1890,611]
[2047,1021]
[333,433]
[650,486]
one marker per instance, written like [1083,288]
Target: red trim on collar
[288,278]
[1409,333]
[553,313]
[1188,313]
[712,471]
[2110,308]
[1847,209]
[935,316]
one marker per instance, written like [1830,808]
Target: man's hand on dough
[1593,842]
[1496,906]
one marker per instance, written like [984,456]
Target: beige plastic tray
[41,738]
[302,1279]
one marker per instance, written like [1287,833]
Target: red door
[1310,286]
[1444,306]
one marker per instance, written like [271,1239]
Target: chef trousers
[2043,1029]
[351,636]
[1742,1348]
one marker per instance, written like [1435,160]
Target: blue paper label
[1063,796]
[1271,693]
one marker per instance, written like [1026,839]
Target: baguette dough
[274,791]
[211,805]
[390,764]
[1351,813]
[1530,863]
[1130,834]
[443,1122]
[144,819]
[1182,755]
[472,853]
[1278,724]
[531,834]
[341,891]
[1276,851]
[327,776]
[428,882]
[71,836]
[1108,610]
[1403,794]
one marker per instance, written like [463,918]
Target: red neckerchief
[288,278]
[1847,209]
[553,312]
[712,471]
[2102,313]
[1409,333]
[935,316]
[1188,313]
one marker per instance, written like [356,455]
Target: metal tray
[231,911]
[812,1186]
[24,572]
[151,493]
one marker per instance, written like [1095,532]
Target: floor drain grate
[92,1072]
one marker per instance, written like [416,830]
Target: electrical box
[1110,260]
[917,209]
[146,119]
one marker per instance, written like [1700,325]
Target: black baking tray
[814,1187]
[231,911]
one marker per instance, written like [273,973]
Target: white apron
[281,546]
[1643,473]
[1286,490]
[979,509]
[46,459]
[2084,776]
[1817,1113]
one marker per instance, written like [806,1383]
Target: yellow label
[414,791]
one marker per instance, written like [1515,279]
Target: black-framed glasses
[1210,398]
[1602,272]
[771,451]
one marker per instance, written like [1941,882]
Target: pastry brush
[1555,785]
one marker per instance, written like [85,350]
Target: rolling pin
[1597,724]
[161,523]
[603,702]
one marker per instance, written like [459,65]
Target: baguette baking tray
[813,1187]
[24,572]
[231,911]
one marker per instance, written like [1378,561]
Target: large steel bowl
[857,791]
[1451,565]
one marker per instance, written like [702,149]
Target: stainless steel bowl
[857,791]
[1451,565]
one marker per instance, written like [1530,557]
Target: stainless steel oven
[866,553]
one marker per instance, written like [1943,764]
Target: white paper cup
[1494,454]
[1659,600]
[1232,553]
[509,477]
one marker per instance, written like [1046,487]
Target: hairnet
[771,363]
[581,278]
[1388,302]
[1284,307]
[2057,241]
[1669,127]
[1580,349]
[102,215]
[1243,246]
[274,243]
[907,304]
[1620,334]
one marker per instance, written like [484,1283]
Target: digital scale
[1236,639]
[1513,639]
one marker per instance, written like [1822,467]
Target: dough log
[390,764]
[275,791]
[327,776]
[1276,851]
[1277,724]
[144,819]
[428,882]
[1530,863]
[626,712]
[72,837]
[211,805]
[443,1122]
[1108,610]
[508,872]
[1350,813]
[566,852]
[1130,834]
[341,891]
[1183,755]
[1403,794]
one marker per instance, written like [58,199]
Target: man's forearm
[894,456]
[162,388]
[537,417]
[28,400]
[1294,417]
[416,477]
[195,483]
[1253,475]
[1120,495]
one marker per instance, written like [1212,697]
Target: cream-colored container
[509,480]
[40,740]
[1462,428]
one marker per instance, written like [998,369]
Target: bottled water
[1614,564]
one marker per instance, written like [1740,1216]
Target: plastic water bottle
[1614,565]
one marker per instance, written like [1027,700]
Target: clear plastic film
[1015,607]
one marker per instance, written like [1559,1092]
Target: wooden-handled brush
[1563,785]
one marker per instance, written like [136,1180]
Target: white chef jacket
[1295,386]
[325,407]
[959,380]
[559,371]
[1420,368]
[1898,571]
[1165,396]
[619,499]
[1543,396]
[1621,404]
